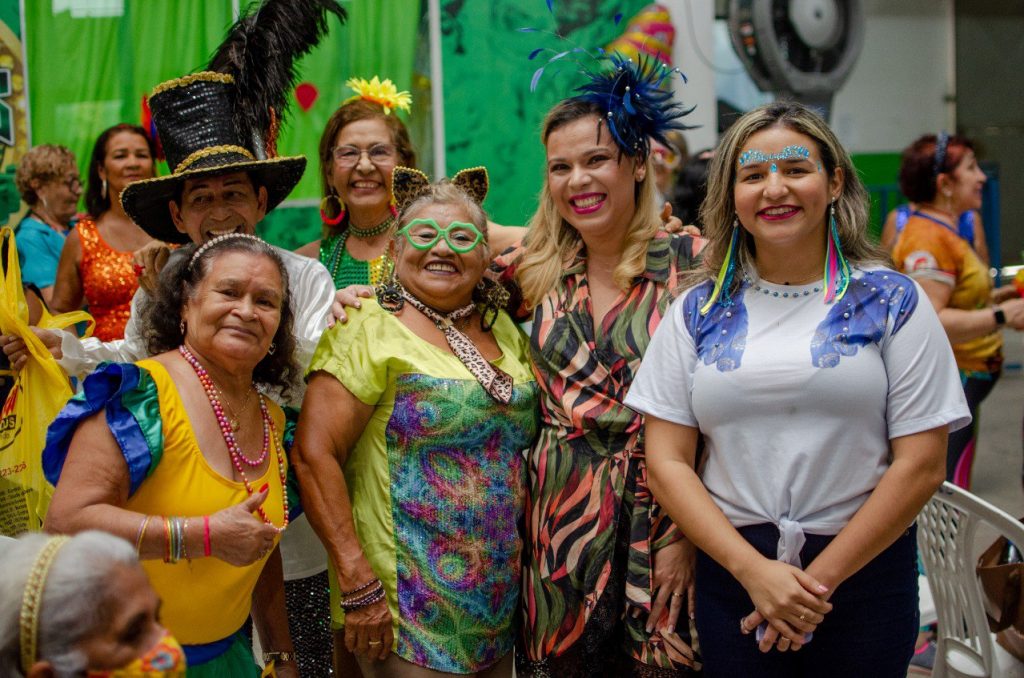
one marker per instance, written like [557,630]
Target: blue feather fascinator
[635,95]
[637,104]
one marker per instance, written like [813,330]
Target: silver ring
[676,594]
[801,617]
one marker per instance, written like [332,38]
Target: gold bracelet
[278,657]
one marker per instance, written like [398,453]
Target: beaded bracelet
[366,601]
[346,594]
[361,599]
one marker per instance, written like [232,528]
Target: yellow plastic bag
[40,390]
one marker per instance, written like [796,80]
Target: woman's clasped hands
[790,600]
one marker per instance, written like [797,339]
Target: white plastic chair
[946,536]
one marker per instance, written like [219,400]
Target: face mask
[166,659]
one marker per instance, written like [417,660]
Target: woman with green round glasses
[423,234]
[440,404]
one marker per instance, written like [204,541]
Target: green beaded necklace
[347,270]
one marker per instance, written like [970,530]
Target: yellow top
[204,599]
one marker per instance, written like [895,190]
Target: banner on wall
[14,118]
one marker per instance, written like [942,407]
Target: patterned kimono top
[436,485]
[587,466]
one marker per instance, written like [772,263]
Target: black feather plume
[260,52]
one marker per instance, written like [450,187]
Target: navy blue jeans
[869,632]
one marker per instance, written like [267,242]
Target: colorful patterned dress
[592,525]
[436,485]
[108,282]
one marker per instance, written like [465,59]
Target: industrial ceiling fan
[803,49]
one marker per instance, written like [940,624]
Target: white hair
[74,601]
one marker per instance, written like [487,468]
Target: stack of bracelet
[363,596]
[175,533]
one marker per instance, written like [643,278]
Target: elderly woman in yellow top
[181,453]
[418,488]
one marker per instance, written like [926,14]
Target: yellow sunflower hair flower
[381,92]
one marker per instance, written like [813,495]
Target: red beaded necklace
[234,450]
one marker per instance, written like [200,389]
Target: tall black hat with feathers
[225,119]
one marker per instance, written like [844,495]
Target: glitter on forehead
[788,153]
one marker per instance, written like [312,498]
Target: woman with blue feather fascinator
[607,575]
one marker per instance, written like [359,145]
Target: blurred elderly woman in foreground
[80,606]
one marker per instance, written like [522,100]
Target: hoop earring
[390,293]
[325,203]
[720,293]
[837,268]
[103,189]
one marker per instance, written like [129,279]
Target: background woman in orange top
[96,263]
[940,175]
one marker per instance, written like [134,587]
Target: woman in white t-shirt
[824,390]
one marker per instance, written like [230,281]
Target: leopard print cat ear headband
[407,184]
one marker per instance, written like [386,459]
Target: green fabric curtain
[88,72]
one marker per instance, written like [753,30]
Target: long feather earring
[726,273]
[837,269]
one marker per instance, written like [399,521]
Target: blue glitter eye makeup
[788,153]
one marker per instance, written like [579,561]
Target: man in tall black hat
[216,186]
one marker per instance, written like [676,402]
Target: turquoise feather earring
[837,269]
[726,273]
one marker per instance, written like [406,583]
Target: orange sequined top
[108,282]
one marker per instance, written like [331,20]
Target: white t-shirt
[797,400]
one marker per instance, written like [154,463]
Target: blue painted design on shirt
[721,335]
[873,302]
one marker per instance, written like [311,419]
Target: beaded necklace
[370,232]
[796,294]
[234,450]
[347,270]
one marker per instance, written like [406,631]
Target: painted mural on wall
[491,116]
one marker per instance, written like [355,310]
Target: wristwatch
[1000,316]
[278,657]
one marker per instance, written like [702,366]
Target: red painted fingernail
[266,486]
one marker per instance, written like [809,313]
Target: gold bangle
[141,535]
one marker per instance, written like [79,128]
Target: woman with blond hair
[606,573]
[823,389]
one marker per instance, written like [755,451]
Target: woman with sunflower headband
[364,140]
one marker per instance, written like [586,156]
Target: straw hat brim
[145,201]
